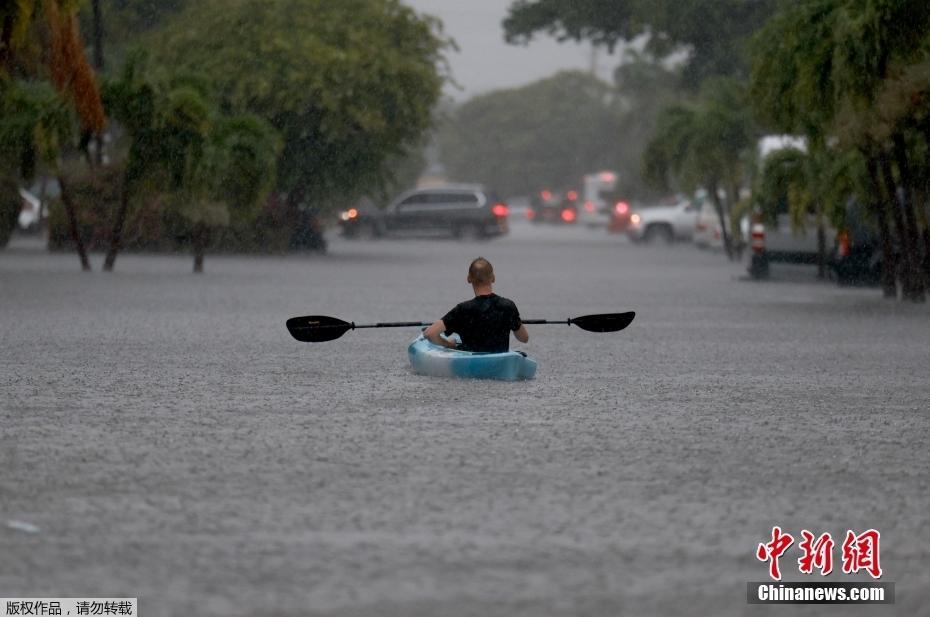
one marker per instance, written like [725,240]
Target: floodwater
[164,437]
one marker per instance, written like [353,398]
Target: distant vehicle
[596,198]
[664,223]
[363,220]
[32,211]
[459,210]
[619,217]
[552,207]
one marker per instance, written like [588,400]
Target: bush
[10,206]
[155,223]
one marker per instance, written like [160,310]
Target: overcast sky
[485,62]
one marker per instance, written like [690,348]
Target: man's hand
[432,334]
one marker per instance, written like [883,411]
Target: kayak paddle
[319,328]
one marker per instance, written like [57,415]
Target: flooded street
[168,439]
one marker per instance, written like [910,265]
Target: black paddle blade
[317,328]
[608,322]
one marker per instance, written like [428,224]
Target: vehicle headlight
[636,219]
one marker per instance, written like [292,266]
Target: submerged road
[166,439]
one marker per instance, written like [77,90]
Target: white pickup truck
[665,223]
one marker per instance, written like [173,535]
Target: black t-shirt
[484,323]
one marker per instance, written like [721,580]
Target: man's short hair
[480,272]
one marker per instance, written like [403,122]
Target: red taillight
[530,214]
[572,195]
[500,210]
[545,194]
[622,208]
[842,243]
[589,206]
[568,215]
[352,213]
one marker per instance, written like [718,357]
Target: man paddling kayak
[485,322]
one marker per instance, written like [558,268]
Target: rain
[420,307]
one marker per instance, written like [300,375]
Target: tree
[818,68]
[36,122]
[217,167]
[32,108]
[714,31]
[348,85]
[703,144]
[549,133]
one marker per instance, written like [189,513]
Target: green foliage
[348,85]
[35,122]
[218,167]
[784,175]
[9,207]
[702,144]
[549,133]
[792,89]
[715,31]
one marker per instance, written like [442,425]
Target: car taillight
[622,208]
[500,210]
[842,243]
[589,206]
[530,214]
[572,195]
[568,215]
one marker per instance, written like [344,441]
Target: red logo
[817,553]
[773,550]
[860,552]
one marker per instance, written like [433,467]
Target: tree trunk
[98,36]
[199,241]
[737,240]
[98,66]
[912,241]
[889,259]
[905,267]
[715,197]
[116,236]
[821,245]
[71,213]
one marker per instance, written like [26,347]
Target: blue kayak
[429,359]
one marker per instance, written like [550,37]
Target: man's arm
[522,335]
[432,334]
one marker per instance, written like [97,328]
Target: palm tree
[72,77]
[704,144]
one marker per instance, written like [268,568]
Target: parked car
[856,255]
[779,241]
[459,210]
[664,223]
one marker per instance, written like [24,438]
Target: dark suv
[460,210]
